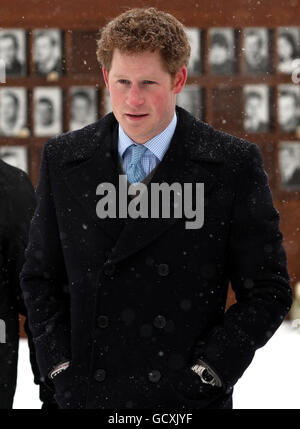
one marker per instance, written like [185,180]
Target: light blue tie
[135,172]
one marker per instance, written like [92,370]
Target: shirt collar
[158,144]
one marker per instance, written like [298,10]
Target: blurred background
[244,76]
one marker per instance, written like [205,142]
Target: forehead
[138,63]
[6,40]
[43,38]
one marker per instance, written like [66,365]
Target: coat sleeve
[21,209]
[257,270]
[44,280]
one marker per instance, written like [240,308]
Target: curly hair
[145,29]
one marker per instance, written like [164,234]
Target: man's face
[142,96]
[80,109]
[287,109]
[252,47]
[43,49]
[9,109]
[218,54]
[288,163]
[44,113]
[7,50]
[285,49]
[253,106]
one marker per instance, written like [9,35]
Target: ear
[105,76]
[180,79]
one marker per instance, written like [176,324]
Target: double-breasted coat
[133,302]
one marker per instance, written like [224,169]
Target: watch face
[207,376]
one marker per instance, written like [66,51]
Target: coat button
[109,268]
[102,321]
[159,321]
[100,375]
[154,375]
[163,269]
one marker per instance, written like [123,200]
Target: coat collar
[191,157]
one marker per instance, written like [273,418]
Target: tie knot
[138,151]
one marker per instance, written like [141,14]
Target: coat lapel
[191,157]
[99,167]
[185,160]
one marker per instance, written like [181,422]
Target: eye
[123,81]
[149,82]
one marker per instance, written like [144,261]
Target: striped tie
[135,171]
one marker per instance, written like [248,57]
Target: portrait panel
[288,107]
[107,107]
[289,165]
[13,112]
[190,98]
[48,51]
[17,156]
[83,106]
[257,108]
[13,51]
[288,49]
[47,111]
[257,58]
[222,53]
[195,62]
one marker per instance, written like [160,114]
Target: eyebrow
[123,77]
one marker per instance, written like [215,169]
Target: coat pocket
[64,386]
[192,393]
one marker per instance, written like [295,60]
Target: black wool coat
[17,203]
[134,302]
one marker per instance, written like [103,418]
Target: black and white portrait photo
[288,46]
[47,53]
[47,111]
[13,111]
[13,51]
[257,109]
[107,107]
[222,50]
[83,107]
[194,36]
[17,156]
[288,107]
[257,50]
[289,164]
[190,98]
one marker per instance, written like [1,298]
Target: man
[47,59]
[82,110]
[287,52]
[10,114]
[287,111]
[9,48]
[16,210]
[253,113]
[128,312]
[256,61]
[17,203]
[290,166]
[219,55]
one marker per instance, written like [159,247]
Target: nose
[135,97]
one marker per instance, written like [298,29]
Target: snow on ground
[271,381]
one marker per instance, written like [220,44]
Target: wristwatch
[207,375]
[58,369]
